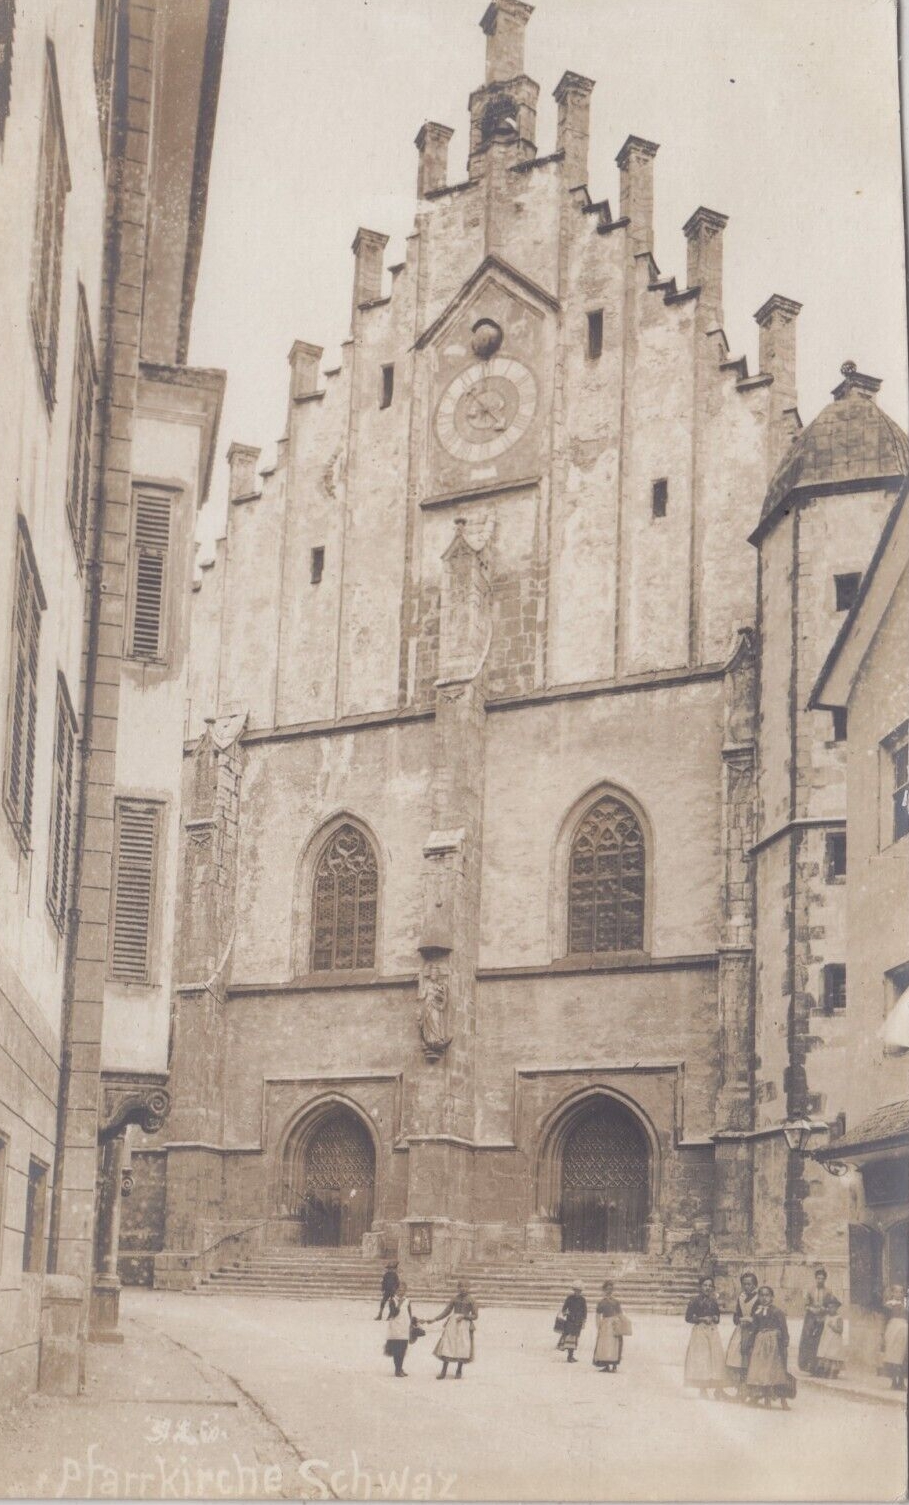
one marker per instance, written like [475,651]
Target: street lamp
[797,1132]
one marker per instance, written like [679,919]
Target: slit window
[595,334]
[47,253]
[846,588]
[387,387]
[834,988]
[80,441]
[61,807]
[836,856]
[148,583]
[22,714]
[136,840]
[840,723]
[660,497]
[316,564]
[35,1207]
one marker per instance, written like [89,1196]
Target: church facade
[509,916]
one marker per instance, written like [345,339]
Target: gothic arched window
[345,894]
[606,880]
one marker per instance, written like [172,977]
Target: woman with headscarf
[768,1373]
[705,1362]
[455,1345]
[739,1351]
[813,1323]
[574,1315]
[607,1355]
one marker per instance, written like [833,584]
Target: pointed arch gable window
[344,905]
[606,874]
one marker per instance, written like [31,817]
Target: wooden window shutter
[135,860]
[61,808]
[151,539]
[53,186]
[22,716]
[80,463]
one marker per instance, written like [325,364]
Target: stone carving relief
[433,1017]
[125,1103]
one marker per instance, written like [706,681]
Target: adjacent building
[106,437]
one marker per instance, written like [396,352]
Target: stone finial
[704,233]
[635,164]
[504,22]
[572,95]
[432,144]
[304,368]
[368,248]
[242,459]
[855,382]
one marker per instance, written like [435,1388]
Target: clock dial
[486,409]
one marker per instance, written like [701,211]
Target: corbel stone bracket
[134,1101]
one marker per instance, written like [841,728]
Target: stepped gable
[851,439]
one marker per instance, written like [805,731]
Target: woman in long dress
[831,1350]
[896,1337]
[813,1324]
[739,1351]
[705,1362]
[607,1354]
[455,1345]
[768,1373]
[574,1315]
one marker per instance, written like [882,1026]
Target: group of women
[755,1361]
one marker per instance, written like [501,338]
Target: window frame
[157,809]
[894,746]
[53,186]
[839,730]
[328,841]
[594,334]
[835,984]
[846,587]
[833,874]
[64,768]
[574,831]
[386,386]
[25,656]
[659,497]
[137,551]
[316,564]
[81,432]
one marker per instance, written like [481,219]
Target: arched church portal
[329,1177]
[604,1178]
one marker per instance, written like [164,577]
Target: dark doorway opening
[336,1174]
[605,1195]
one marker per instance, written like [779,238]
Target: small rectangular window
[47,253]
[388,386]
[836,855]
[35,1205]
[316,564]
[899,767]
[22,712]
[660,497]
[136,836]
[846,587]
[595,334]
[834,988]
[840,723]
[148,575]
[80,438]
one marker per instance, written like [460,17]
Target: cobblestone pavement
[522,1424]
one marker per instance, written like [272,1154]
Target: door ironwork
[605,1200]
[338,1182]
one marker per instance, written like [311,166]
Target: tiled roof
[887,1123]
[850,440]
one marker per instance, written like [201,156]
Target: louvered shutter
[48,246]
[23,700]
[134,885]
[81,434]
[61,810]
[151,538]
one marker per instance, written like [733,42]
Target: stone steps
[642,1283]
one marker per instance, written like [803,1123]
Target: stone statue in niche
[433,1014]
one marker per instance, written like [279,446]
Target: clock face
[486,409]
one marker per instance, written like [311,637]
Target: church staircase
[643,1283]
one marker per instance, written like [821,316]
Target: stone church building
[510,915]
